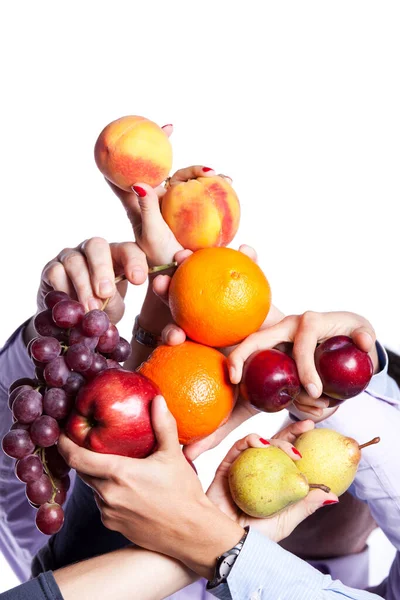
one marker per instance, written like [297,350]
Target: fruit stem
[319,486]
[49,475]
[376,440]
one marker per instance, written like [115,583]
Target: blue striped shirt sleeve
[265,571]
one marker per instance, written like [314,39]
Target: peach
[131,150]
[202,212]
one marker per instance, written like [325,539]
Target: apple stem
[376,440]
[319,486]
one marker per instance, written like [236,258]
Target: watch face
[226,565]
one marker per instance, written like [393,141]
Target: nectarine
[131,150]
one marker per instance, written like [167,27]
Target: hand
[87,274]
[152,233]
[283,523]
[305,332]
[157,502]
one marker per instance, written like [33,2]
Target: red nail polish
[265,442]
[139,191]
[167,125]
[206,169]
[327,502]
[297,452]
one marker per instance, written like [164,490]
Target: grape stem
[48,473]
[156,269]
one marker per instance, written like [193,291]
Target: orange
[219,296]
[195,383]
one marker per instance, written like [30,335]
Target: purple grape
[56,372]
[46,327]
[109,340]
[21,382]
[112,364]
[79,357]
[95,323]
[76,336]
[68,313]
[56,463]
[39,374]
[98,365]
[28,406]
[39,491]
[74,383]
[18,443]
[44,431]
[56,403]
[16,391]
[18,425]
[29,469]
[122,351]
[49,518]
[45,349]
[53,297]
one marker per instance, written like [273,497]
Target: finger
[292,431]
[306,409]
[161,285]
[311,328]
[131,261]
[287,448]
[164,426]
[249,251]
[87,462]
[261,340]
[182,255]
[99,259]
[55,276]
[77,269]
[364,337]
[152,223]
[304,399]
[296,513]
[172,335]
[250,441]
[191,173]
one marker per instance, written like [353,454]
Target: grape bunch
[72,347]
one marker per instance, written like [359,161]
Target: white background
[297,101]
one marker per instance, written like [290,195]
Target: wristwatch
[144,337]
[226,561]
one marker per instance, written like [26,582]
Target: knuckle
[309,318]
[72,259]
[92,244]
[52,273]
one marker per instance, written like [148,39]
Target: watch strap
[226,561]
[144,337]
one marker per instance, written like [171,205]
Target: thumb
[295,514]
[364,337]
[149,206]
[164,426]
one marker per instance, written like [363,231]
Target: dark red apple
[270,380]
[344,369]
[112,414]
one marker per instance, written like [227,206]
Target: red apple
[344,369]
[270,380]
[112,414]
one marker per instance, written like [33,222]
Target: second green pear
[264,481]
[330,457]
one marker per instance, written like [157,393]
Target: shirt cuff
[43,587]
[265,570]
[381,385]
[14,359]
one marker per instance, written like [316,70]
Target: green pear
[330,457]
[264,481]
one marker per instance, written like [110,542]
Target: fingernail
[137,274]
[167,125]
[207,169]
[94,304]
[321,403]
[295,451]
[232,374]
[265,442]
[168,336]
[370,337]
[106,287]
[327,502]
[139,191]
[312,390]
[163,404]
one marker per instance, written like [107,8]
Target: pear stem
[376,440]
[319,486]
